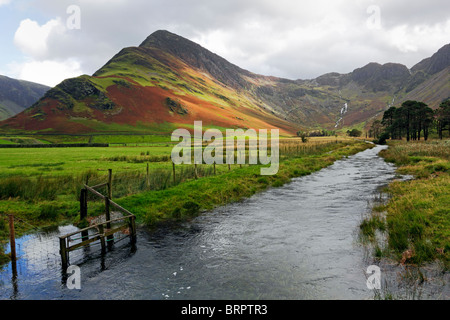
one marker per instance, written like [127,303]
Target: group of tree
[413,120]
[317,133]
[322,133]
[354,133]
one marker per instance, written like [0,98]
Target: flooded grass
[417,215]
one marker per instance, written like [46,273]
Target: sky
[47,41]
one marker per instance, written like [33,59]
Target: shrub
[382,139]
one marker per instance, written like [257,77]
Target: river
[298,241]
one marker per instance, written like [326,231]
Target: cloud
[41,64]
[4,2]
[291,39]
[410,38]
[46,72]
[31,38]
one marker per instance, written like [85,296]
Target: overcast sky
[47,41]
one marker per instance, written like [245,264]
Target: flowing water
[299,241]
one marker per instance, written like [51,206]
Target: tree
[427,115]
[414,117]
[389,121]
[442,115]
[303,135]
[406,115]
[376,129]
[354,133]
[411,119]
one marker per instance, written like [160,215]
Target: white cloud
[409,38]
[46,72]
[41,65]
[284,38]
[31,38]
[4,2]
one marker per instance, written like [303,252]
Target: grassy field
[416,219]
[42,186]
[112,139]
[28,162]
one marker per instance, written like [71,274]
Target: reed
[417,215]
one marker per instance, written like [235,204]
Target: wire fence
[39,249]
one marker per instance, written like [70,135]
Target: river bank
[187,200]
[410,230]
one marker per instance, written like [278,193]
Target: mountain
[169,82]
[165,83]
[17,95]
[436,63]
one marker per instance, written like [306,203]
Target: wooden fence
[102,231]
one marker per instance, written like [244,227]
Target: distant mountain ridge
[169,81]
[436,63]
[17,95]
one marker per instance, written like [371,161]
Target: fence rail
[105,231]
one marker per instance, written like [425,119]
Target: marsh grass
[417,215]
[29,189]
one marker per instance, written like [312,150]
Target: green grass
[417,217]
[21,140]
[73,161]
[6,141]
[131,139]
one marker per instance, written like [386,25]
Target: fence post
[108,218]
[63,252]
[174,175]
[83,210]
[83,204]
[12,237]
[102,238]
[107,211]
[240,158]
[110,183]
[148,176]
[195,171]
[214,167]
[132,230]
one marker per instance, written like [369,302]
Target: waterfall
[343,112]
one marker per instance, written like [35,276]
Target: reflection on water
[299,241]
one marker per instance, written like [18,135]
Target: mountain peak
[160,38]
[436,63]
[198,57]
